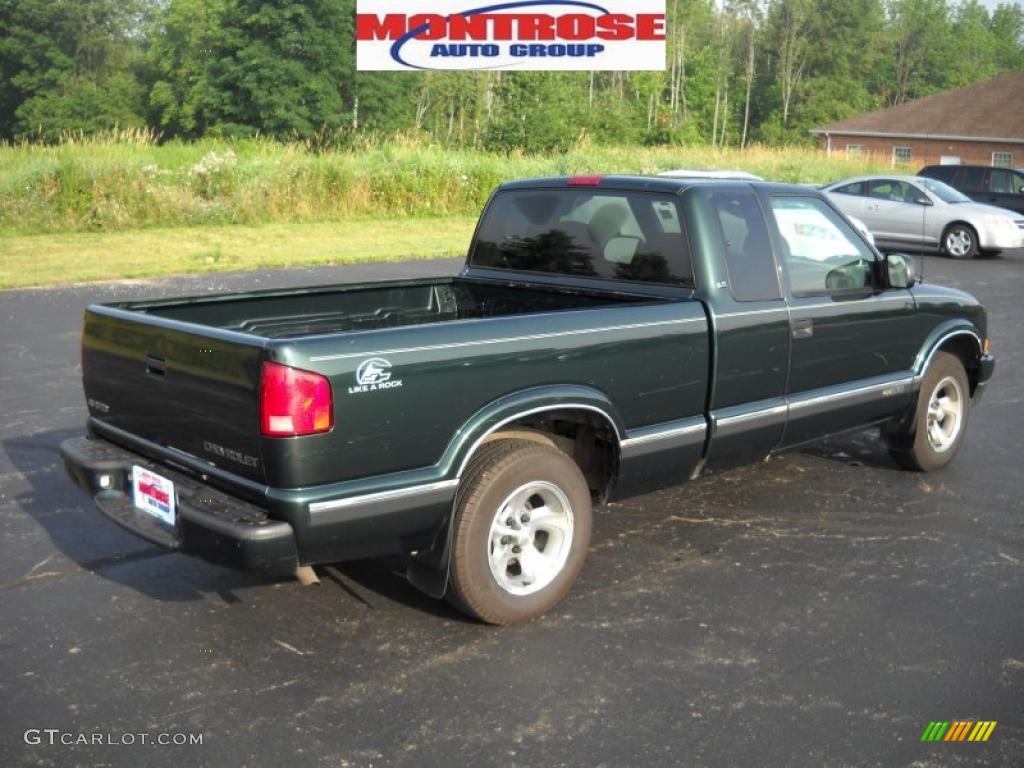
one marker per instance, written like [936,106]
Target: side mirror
[924,201]
[902,270]
[621,250]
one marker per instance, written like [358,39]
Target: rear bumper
[210,524]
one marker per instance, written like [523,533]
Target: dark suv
[1002,187]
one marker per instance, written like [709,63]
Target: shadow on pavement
[98,546]
[856,449]
[95,544]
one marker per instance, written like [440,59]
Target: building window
[854,150]
[900,155]
[1002,159]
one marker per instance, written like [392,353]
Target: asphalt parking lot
[818,609]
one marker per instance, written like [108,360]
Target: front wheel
[940,421]
[521,531]
[960,242]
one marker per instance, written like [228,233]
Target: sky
[992,4]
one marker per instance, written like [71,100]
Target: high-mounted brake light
[294,402]
[585,181]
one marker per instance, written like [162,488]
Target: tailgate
[182,389]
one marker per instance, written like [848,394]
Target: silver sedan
[919,214]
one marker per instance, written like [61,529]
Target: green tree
[923,48]
[182,99]
[69,65]
[1007,27]
[975,45]
[285,69]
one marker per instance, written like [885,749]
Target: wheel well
[965,347]
[952,224]
[585,436]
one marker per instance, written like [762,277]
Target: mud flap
[428,571]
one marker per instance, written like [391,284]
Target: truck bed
[184,374]
[337,309]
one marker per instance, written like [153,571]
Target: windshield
[944,192]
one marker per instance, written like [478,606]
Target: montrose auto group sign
[518,35]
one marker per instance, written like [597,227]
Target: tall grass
[127,179]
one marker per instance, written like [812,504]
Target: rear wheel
[940,421]
[960,241]
[521,531]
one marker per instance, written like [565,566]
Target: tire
[491,578]
[960,241]
[932,440]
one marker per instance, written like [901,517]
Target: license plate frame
[154,494]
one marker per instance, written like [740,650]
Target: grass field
[29,260]
[124,206]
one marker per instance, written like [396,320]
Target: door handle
[802,329]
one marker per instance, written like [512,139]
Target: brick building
[980,124]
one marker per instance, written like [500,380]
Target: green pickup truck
[608,336]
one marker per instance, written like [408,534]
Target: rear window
[605,234]
[857,188]
[944,173]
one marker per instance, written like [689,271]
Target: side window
[823,254]
[972,178]
[891,190]
[747,247]
[857,188]
[1002,181]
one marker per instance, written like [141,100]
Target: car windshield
[943,191]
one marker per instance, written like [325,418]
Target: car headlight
[1000,223]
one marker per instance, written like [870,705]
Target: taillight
[584,181]
[294,402]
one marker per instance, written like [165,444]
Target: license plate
[153,494]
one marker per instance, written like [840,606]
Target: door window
[892,190]
[822,252]
[1004,182]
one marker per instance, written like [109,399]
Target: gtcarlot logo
[520,34]
[53,737]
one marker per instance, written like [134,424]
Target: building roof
[989,111]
